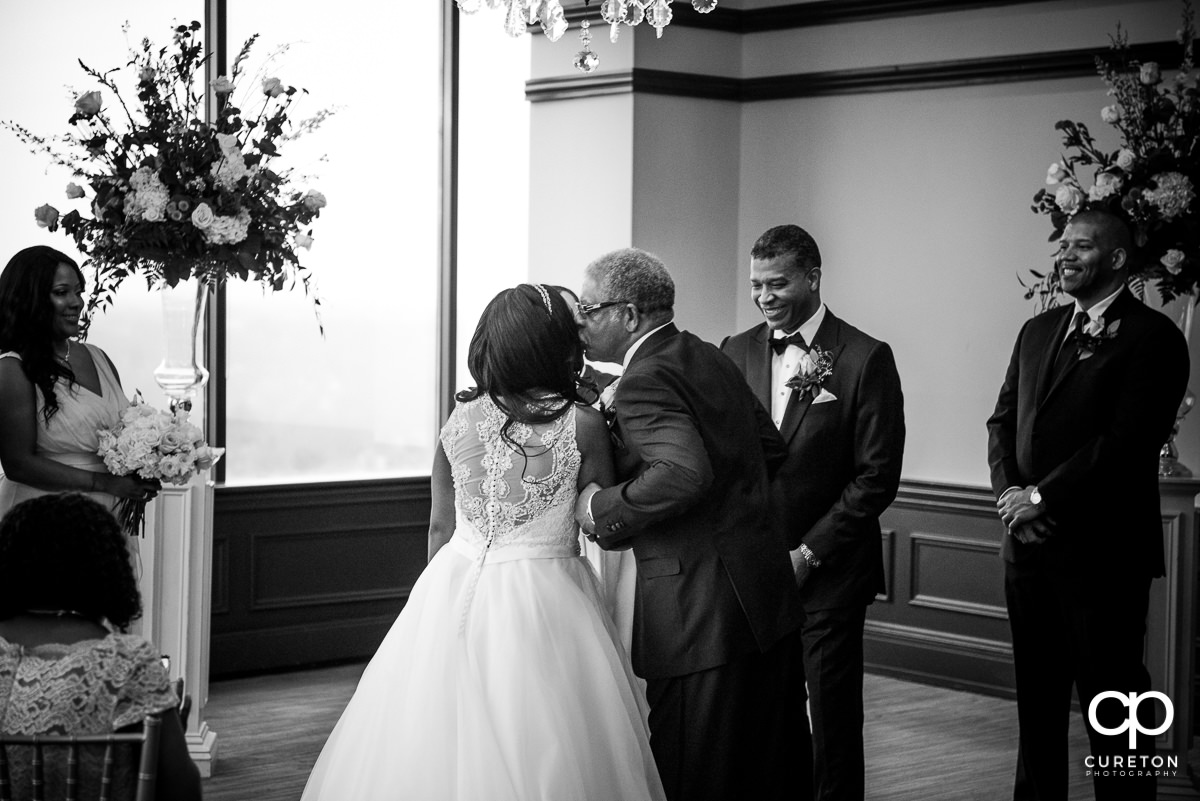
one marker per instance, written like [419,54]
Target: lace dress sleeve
[142,686]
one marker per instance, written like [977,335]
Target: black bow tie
[779,344]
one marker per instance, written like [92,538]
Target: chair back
[98,767]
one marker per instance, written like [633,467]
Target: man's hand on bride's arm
[583,514]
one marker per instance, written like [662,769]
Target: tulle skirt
[516,691]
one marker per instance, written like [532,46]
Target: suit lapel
[829,337]
[758,364]
[1050,354]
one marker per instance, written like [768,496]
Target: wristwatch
[1035,497]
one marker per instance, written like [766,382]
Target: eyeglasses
[586,309]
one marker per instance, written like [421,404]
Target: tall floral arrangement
[172,195]
[1150,180]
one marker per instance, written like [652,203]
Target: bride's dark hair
[27,318]
[526,356]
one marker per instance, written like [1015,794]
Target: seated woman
[67,594]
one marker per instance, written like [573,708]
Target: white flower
[229,170]
[1055,174]
[1125,159]
[229,143]
[202,216]
[1069,197]
[1172,194]
[1150,74]
[1110,114]
[74,191]
[313,200]
[1173,261]
[222,86]
[149,198]
[304,241]
[1107,184]
[272,87]
[228,230]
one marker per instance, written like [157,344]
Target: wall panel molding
[883,78]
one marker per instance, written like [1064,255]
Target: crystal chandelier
[518,14]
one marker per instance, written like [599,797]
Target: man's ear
[1120,257]
[814,279]
[633,317]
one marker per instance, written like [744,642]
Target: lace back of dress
[503,484]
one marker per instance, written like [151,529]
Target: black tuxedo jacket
[844,458]
[693,449]
[1090,440]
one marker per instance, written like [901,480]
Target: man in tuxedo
[834,393]
[715,600]
[1088,400]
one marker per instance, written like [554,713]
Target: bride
[502,678]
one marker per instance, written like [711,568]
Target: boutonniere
[608,403]
[816,367]
[1093,334]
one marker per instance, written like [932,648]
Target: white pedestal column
[176,586]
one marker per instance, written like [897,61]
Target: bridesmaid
[56,392]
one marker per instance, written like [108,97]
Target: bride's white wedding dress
[502,679]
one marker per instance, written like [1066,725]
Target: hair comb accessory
[545,297]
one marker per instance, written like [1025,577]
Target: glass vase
[180,374]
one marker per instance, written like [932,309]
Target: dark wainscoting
[942,619]
[312,573]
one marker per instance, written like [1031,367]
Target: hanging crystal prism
[704,6]
[586,60]
[514,21]
[468,6]
[533,11]
[554,22]
[613,11]
[635,13]
[659,15]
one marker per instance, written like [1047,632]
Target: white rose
[1125,159]
[222,86]
[1173,261]
[229,143]
[1110,114]
[272,87]
[202,216]
[74,191]
[1069,198]
[1107,184]
[1055,173]
[313,199]
[1150,74]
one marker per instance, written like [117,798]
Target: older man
[1088,400]
[716,605]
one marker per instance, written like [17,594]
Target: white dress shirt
[784,365]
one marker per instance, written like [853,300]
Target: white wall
[919,200]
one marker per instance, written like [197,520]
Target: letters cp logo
[1131,724]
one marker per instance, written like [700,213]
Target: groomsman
[716,608]
[834,393]
[1089,398]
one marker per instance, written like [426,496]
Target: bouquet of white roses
[156,445]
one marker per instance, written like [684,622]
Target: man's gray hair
[634,276]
